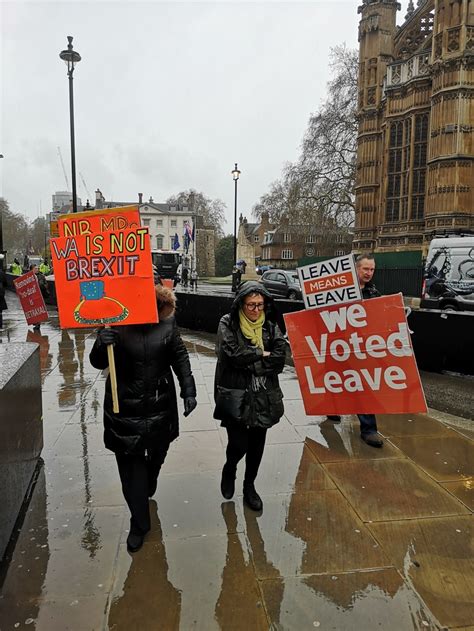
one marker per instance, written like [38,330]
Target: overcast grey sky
[168,95]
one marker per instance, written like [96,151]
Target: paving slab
[379,599]
[331,442]
[436,556]
[451,458]
[463,490]
[409,425]
[312,532]
[381,490]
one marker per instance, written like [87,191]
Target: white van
[449,274]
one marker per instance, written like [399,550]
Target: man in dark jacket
[140,434]
[365,266]
[250,354]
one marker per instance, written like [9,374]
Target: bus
[166,262]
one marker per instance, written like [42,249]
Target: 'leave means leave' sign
[329,282]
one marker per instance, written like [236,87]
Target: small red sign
[31,298]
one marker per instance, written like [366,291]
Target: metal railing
[408,280]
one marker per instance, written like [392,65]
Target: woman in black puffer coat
[251,353]
[140,434]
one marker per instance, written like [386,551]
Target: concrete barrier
[442,340]
[21,429]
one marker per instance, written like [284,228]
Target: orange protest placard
[356,358]
[103,220]
[104,278]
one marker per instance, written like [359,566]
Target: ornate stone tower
[377,30]
[415,159]
[450,190]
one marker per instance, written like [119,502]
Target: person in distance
[365,266]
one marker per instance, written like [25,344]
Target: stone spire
[410,9]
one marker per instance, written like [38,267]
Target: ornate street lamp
[71,57]
[235,175]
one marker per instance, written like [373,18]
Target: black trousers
[137,474]
[248,442]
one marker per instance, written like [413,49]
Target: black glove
[108,336]
[189,405]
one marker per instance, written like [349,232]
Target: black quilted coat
[144,356]
[238,360]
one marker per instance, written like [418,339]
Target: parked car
[282,284]
[449,274]
[260,269]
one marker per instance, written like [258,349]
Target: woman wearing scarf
[250,354]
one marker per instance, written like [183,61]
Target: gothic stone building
[415,158]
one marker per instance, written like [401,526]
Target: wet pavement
[350,537]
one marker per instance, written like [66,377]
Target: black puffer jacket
[370,291]
[238,361]
[144,356]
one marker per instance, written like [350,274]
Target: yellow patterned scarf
[252,330]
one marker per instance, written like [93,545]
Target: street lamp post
[71,57]
[235,175]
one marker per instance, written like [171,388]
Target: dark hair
[361,257]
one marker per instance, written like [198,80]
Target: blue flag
[176,244]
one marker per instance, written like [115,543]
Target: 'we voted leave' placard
[356,358]
[329,282]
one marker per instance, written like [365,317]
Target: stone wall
[21,429]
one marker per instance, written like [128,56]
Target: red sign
[356,358]
[103,220]
[31,298]
[104,278]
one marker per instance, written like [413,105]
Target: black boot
[228,481]
[252,498]
[134,541]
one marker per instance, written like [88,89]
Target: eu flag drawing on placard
[176,244]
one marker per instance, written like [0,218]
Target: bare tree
[16,233]
[319,187]
[211,210]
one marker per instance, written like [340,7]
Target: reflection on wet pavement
[350,537]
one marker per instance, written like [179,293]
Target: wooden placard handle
[113,378]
